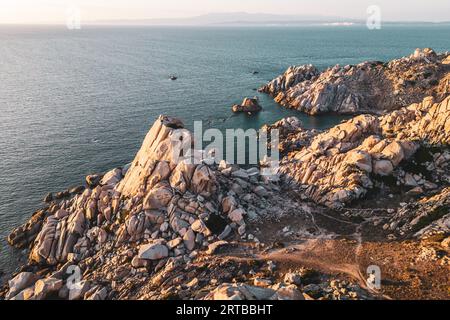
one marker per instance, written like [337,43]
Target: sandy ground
[336,246]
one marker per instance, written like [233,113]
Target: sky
[55,11]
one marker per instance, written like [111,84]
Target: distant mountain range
[249,19]
[235,19]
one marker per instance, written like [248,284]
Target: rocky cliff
[373,87]
[341,164]
[373,190]
[163,227]
[155,213]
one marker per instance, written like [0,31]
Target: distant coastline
[243,19]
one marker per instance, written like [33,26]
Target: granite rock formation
[176,225]
[341,164]
[372,87]
[249,105]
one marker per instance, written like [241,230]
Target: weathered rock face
[160,207]
[111,177]
[430,215]
[293,76]
[146,169]
[153,251]
[248,105]
[242,291]
[367,87]
[427,121]
[337,166]
[20,282]
[143,230]
[142,193]
[285,126]
[23,235]
[57,238]
[291,135]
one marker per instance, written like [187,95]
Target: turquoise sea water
[74,102]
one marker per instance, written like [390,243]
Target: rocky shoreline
[371,191]
[369,87]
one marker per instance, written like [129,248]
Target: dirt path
[336,246]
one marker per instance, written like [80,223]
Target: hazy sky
[54,11]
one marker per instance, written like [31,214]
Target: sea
[76,102]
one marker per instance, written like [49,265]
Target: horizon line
[296,19]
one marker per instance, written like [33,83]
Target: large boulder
[45,287]
[383,167]
[249,105]
[204,181]
[153,251]
[23,235]
[57,238]
[112,177]
[158,197]
[19,282]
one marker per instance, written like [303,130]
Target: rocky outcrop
[249,105]
[164,205]
[373,87]
[293,76]
[23,235]
[342,163]
[428,122]
[424,218]
[140,196]
[168,227]
[19,283]
[242,291]
[291,134]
